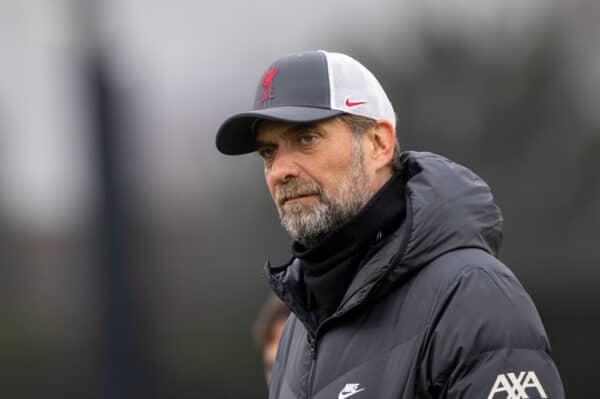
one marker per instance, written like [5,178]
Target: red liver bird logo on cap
[267,82]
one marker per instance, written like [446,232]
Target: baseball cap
[307,87]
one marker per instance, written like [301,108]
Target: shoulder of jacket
[455,265]
[485,305]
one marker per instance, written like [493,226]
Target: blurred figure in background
[267,330]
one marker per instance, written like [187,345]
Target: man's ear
[382,140]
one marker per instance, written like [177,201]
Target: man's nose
[284,167]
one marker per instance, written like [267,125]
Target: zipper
[312,348]
[312,343]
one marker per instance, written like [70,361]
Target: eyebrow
[302,128]
[293,130]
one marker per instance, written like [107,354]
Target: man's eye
[308,138]
[266,152]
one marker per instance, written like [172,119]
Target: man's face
[317,175]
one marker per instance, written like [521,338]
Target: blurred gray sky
[185,66]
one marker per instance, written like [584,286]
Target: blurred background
[132,251]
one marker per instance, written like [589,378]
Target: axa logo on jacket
[513,386]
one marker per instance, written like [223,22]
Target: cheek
[334,173]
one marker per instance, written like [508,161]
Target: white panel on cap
[349,79]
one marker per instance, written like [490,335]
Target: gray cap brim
[235,136]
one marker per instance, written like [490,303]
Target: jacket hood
[450,207]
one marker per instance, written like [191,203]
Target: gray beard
[308,225]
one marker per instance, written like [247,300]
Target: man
[267,330]
[394,285]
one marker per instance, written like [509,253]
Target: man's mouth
[292,199]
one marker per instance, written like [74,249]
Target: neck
[381,177]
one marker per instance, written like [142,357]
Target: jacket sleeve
[487,341]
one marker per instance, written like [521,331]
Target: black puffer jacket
[432,314]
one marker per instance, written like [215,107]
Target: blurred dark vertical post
[123,352]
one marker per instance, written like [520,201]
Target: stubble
[309,224]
